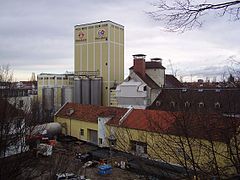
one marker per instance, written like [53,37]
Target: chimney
[157,60]
[139,64]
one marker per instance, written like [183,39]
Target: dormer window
[201,105]
[158,103]
[69,111]
[187,104]
[217,105]
[172,104]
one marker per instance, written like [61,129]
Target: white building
[143,84]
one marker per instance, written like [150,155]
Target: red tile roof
[90,113]
[147,120]
[210,126]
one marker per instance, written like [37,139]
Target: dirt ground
[63,160]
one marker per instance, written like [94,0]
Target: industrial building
[99,50]
[54,90]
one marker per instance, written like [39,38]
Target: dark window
[145,88]
[217,105]
[187,104]
[100,141]
[139,148]
[82,132]
[172,104]
[201,105]
[21,103]
[158,103]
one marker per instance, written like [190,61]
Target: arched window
[201,105]
[158,103]
[172,104]
[187,104]
[217,105]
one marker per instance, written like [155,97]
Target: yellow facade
[74,127]
[175,150]
[113,99]
[100,47]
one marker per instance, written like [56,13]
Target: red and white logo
[81,35]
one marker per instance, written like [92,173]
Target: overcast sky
[37,36]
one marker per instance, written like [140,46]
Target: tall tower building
[99,47]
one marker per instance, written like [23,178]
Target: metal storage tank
[86,91]
[57,98]
[96,91]
[67,94]
[47,98]
[78,90]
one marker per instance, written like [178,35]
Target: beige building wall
[100,47]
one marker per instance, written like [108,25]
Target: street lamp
[112,142]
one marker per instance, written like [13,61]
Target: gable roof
[89,113]
[172,82]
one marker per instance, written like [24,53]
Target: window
[217,105]
[145,88]
[100,141]
[201,105]
[172,104]
[184,90]
[21,103]
[82,132]
[158,103]
[187,104]
[138,148]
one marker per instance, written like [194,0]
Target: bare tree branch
[182,15]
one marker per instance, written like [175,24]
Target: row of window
[52,78]
[187,104]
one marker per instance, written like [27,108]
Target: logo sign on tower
[101,34]
[81,36]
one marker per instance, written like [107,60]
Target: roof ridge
[125,115]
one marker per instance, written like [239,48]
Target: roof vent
[69,111]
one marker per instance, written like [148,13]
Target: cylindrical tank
[47,98]
[96,91]
[86,91]
[53,128]
[50,129]
[78,90]
[67,94]
[57,98]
